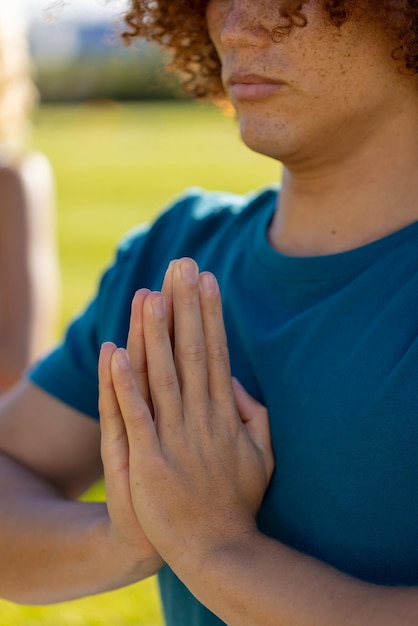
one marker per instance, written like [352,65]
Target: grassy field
[117,166]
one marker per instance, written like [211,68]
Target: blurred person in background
[319,284]
[28,258]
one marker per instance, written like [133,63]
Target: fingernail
[189,272]
[122,358]
[208,282]
[158,306]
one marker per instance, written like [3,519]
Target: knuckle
[190,298]
[192,352]
[127,385]
[138,414]
[160,334]
[167,380]
[218,351]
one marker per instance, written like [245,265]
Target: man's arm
[199,466]
[257,581]
[53,547]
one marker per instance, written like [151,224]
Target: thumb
[255,418]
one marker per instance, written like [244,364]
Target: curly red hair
[180,28]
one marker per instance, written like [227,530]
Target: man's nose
[245,25]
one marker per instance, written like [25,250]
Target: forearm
[55,549]
[260,582]
[14,358]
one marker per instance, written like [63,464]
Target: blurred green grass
[117,166]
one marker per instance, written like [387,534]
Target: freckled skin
[342,108]
[332,76]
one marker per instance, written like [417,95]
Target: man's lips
[244,86]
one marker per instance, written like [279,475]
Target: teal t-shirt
[328,343]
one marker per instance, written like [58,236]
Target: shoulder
[194,217]
[194,223]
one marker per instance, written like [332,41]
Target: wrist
[208,554]
[127,561]
[214,573]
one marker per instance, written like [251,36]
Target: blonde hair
[18,94]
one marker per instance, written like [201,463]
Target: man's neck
[369,194]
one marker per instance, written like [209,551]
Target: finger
[190,350]
[167,291]
[140,428]
[136,346]
[111,421]
[217,355]
[114,442]
[162,374]
[255,418]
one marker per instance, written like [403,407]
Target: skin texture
[171,23]
[173,423]
[340,102]
[326,79]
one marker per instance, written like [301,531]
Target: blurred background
[79,56]
[122,141]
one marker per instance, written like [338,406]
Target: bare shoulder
[51,438]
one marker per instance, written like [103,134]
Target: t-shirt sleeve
[69,372]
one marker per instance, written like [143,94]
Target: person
[28,256]
[319,291]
